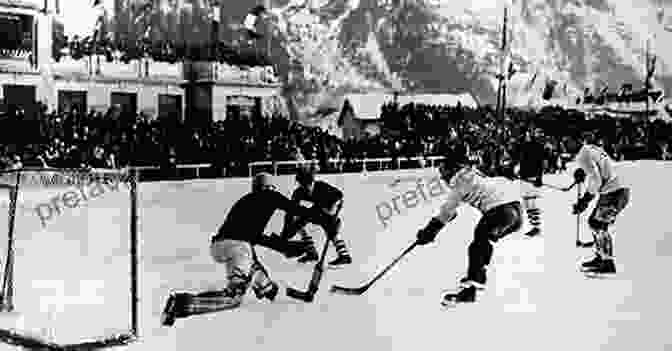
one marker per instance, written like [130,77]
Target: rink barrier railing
[362,164]
[274,167]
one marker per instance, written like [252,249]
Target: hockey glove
[289,248]
[292,226]
[427,234]
[295,248]
[583,203]
[579,176]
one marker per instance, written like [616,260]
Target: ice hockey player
[596,168]
[233,246]
[329,200]
[497,198]
[531,161]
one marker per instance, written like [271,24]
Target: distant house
[360,114]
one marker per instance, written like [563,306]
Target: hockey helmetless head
[455,160]
[305,176]
[262,181]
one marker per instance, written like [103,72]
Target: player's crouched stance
[328,201]
[502,215]
[233,246]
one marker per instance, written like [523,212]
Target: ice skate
[603,269]
[591,264]
[269,292]
[463,295]
[340,261]
[533,232]
[475,279]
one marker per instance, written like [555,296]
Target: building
[360,113]
[30,72]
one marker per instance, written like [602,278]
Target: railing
[275,167]
[338,164]
[196,167]
[362,165]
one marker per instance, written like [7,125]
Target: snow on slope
[453,46]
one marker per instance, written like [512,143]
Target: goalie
[233,246]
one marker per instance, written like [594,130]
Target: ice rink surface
[536,299]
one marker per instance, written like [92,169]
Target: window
[69,100]
[127,102]
[170,107]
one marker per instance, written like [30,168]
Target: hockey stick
[362,289]
[580,243]
[313,286]
[565,189]
[552,186]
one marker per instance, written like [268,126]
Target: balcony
[229,74]
[97,67]
[18,61]
[17,49]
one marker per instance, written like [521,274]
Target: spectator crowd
[116,139]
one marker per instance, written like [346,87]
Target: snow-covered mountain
[328,47]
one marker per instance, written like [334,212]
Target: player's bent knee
[597,224]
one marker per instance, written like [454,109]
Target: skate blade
[600,276]
[449,304]
[336,268]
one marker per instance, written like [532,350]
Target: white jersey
[483,193]
[600,174]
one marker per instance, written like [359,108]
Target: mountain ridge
[338,46]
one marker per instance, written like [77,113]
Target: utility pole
[647,68]
[501,103]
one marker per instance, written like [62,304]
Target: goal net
[68,258]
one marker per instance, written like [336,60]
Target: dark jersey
[532,155]
[323,196]
[249,216]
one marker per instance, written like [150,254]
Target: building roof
[368,106]
[464,99]
[24,4]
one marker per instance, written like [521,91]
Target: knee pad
[597,225]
